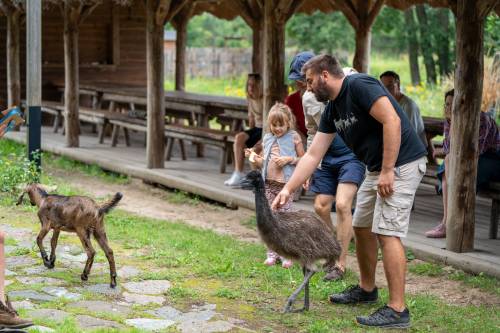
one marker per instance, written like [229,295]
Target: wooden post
[158,13]
[463,155]
[71,83]
[361,15]
[34,79]
[13,12]
[74,13]
[181,21]
[276,13]
[257,41]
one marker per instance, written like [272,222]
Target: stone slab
[90,323]
[31,295]
[102,306]
[148,324]
[142,299]
[148,287]
[52,314]
[62,292]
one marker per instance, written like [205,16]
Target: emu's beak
[246,184]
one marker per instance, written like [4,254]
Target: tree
[412,45]
[426,44]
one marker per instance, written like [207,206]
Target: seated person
[250,137]
[294,101]
[488,165]
[392,83]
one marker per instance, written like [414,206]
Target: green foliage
[426,268]
[208,31]
[15,168]
[492,34]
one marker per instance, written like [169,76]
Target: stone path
[142,304]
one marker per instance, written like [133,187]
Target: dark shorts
[326,179]
[254,136]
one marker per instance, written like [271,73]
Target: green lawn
[206,267]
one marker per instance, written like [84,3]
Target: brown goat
[78,214]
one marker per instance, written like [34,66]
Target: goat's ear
[20,200]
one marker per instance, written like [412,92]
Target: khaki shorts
[389,216]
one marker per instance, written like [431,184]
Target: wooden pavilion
[117,41]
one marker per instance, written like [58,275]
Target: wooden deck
[201,176]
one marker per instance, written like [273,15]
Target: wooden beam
[462,170]
[13,58]
[177,6]
[161,10]
[181,23]
[348,9]
[374,11]
[115,33]
[257,45]
[245,12]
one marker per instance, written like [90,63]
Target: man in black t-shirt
[379,133]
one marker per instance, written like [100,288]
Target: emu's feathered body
[300,236]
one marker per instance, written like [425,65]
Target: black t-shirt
[348,115]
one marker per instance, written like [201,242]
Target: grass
[206,267]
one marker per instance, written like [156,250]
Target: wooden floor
[201,176]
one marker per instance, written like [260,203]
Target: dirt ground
[145,200]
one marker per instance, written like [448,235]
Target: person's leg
[366,253]
[323,206]
[344,198]
[394,259]
[439,231]
[239,151]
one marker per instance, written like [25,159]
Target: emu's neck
[264,214]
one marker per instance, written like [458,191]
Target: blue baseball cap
[298,61]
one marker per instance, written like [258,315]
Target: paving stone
[101,306]
[149,287]
[148,324]
[62,293]
[9,273]
[23,305]
[105,289]
[74,250]
[207,306]
[167,312]
[205,327]
[142,299]
[64,256]
[89,322]
[40,329]
[41,269]
[127,272]
[40,280]
[31,295]
[7,282]
[15,232]
[53,314]
[18,261]
[195,316]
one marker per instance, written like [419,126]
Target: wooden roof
[226,9]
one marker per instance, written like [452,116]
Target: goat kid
[78,214]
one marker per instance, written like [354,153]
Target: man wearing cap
[337,179]
[294,101]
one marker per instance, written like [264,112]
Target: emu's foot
[84,277]
[113,283]
[289,309]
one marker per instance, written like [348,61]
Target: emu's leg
[87,245]
[305,284]
[39,240]
[53,245]
[101,238]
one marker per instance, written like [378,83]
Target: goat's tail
[108,205]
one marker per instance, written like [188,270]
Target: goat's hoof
[113,283]
[84,277]
[48,264]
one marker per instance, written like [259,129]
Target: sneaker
[271,259]
[437,232]
[355,294]
[235,179]
[286,263]
[9,319]
[386,317]
[334,274]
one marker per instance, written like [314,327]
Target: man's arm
[383,111]
[305,167]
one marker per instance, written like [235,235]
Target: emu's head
[35,193]
[253,180]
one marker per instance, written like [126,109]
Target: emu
[78,214]
[300,236]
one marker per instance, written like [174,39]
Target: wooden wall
[95,49]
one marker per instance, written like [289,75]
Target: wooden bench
[493,193]
[217,138]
